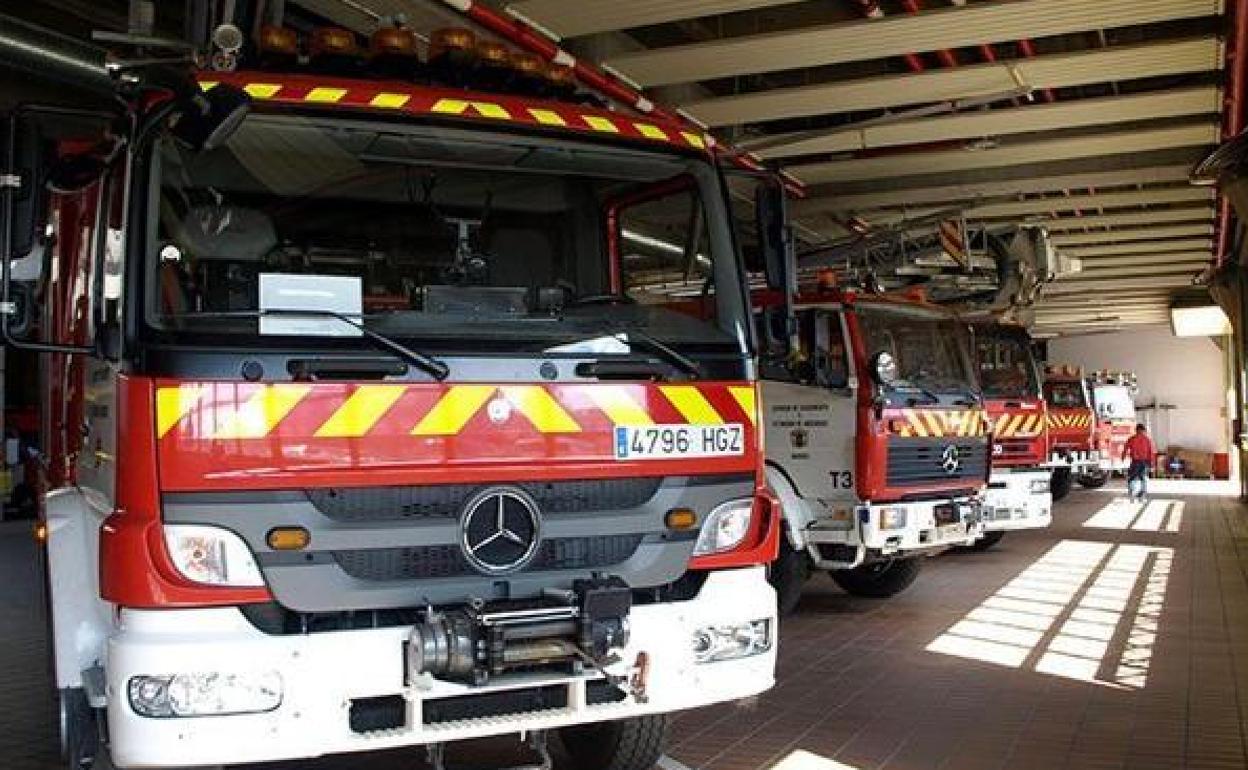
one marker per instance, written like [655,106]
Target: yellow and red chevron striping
[236,411]
[1070,420]
[418,100]
[1018,425]
[940,423]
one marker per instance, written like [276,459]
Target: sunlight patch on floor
[805,760]
[1066,614]
[1152,516]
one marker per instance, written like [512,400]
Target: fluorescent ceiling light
[1199,321]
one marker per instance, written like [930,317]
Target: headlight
[211,555]
[725,528]
[1039,486]
[892,518]
[208,693]
[728,642]
[841,518]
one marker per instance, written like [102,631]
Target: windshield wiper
[656,345]
[438,369]
[911,385]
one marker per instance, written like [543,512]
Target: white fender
[797,516]
[81,621]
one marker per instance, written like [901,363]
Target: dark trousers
[1137,477]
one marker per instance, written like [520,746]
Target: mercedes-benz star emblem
[500,530]
[951,459]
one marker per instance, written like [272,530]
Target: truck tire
[787,574]
[1060,483]
[625,744]
[80,733]
[878,580]
[1093,481]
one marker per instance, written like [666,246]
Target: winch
[572,628]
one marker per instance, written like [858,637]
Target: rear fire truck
[365,431]
[876,441]
[1018,490]
[1113,398]
[1072,423]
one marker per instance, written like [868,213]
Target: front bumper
[1080,462]
[925,530]
[1010,503]
[322,673]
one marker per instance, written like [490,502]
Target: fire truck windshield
[1065,394]
[455,238]
[1114,402]
[1007,368]
[930,350]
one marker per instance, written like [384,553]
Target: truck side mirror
[775,237]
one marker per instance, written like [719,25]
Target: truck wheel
[787,574]
[626,744]
[80,734]
[987,541]
[878,580]
[1093,481]
[1060,483]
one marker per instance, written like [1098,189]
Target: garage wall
[1186,372]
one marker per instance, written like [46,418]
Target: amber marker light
[288,538]
[680,519]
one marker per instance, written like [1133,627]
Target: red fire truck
[1113,397]
[1018,494]
[1072,427]
[366,430]
[877,443]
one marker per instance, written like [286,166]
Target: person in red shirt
[1139,448]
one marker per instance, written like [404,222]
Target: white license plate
[659,442]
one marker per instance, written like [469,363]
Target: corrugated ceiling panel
[1138,234]
[1157,216]
[859,40]
[970,191]
[1051,71]
[1151,282]
[1018,120]
[569,18]
[1148,247]
[1016,154]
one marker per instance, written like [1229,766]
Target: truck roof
[390,97]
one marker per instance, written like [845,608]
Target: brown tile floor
[1116,639]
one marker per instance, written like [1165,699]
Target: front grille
[495,704]
[921,460]
[442,561]
[1016,450]
[447,500]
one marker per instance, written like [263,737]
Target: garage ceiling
[1085,116]
[1122,96]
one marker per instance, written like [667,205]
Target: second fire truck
[877,443]
[1018,494]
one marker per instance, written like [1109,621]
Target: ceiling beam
[1007,154]
[865,39]
[1155,216]
[1161,258]
[1101,284]
[1001,122]
[562,18]
[1102,65]
[1137,234]
[975,191]
[1031,208]
[1107,250]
